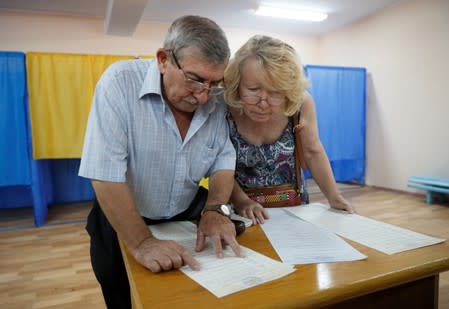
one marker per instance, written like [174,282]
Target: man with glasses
[154,131]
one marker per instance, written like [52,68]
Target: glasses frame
[194,85]
[267,98]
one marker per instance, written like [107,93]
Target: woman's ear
[162,56]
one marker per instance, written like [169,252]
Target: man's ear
[162,56]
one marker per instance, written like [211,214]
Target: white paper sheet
[378,235]
[300,242]
[222,276]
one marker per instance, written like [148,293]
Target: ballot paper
[299,242]
[221,276]
[378,235]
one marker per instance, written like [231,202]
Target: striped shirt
[132,138]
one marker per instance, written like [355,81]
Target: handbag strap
[299,155]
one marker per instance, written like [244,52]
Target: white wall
[47,33]
[406,52]
[306,46]
[38,32]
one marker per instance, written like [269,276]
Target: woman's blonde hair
[279,65]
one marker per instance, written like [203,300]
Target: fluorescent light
[290,13]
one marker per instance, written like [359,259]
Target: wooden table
[404,280]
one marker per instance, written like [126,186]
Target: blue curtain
[340,95]
[14,153]
[21,178]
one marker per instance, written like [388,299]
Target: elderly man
[154,130]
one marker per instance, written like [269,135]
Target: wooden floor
[49,267]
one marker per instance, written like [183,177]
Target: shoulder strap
[299,155]
[297,126]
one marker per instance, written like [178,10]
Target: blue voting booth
[339,95]
[340,98]
[25,182]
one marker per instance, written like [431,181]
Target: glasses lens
[272,99]
[276,99]
[251,99]
[194,85]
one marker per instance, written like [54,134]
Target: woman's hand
[252,210]
[341,203]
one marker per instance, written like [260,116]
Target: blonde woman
[265,88]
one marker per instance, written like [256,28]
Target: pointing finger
[190,260]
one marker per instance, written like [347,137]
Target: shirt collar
[152,82]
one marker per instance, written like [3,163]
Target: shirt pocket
[201,162]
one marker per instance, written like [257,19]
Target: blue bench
[434,187]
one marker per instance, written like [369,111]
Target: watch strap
[220,208]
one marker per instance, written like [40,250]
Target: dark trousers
[106,257]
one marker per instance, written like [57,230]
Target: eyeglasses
[196,86]
[273,99]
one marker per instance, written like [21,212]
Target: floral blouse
[264,165]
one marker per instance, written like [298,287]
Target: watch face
[225,210]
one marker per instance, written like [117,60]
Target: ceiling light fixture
[291,14]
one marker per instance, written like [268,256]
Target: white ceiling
[122,16]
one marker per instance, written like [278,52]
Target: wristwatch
[223,209]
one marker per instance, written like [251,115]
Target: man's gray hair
[201,33]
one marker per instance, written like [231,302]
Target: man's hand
[162,255]
[220,230]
